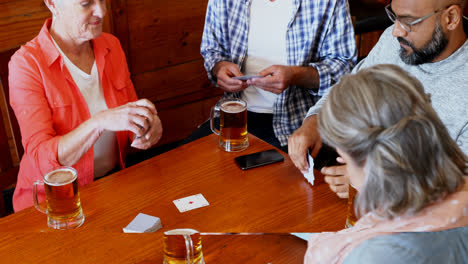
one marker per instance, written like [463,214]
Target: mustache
[405,42]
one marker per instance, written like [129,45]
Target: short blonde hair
[383,119]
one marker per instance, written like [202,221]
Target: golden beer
[63,199]
[183,246]
[351,218]
[233,125]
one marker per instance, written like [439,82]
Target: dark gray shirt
[450,246]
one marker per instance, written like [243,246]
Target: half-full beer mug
[232,124]
[351,217]
[183,246]
[62,197]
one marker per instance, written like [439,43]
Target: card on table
[191,202]
[247,77]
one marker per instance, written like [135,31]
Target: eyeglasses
[406,25]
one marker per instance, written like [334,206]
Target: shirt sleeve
[338,53]
[374,57]
[213,47]
[32,110]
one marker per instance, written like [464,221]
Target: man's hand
[305,137]
[224,71]
[337,178]
[277,78]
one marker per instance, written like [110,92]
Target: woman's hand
[151,136]
[134,116]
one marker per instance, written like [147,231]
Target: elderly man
[300,48]
[428,42]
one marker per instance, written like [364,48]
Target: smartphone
[326,157]
[258,159]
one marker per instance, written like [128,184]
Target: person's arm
[337,56]
[338,53]
[135,117]
[41,142]
[213,47]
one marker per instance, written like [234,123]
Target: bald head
[445,3]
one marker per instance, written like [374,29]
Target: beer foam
[233,107]
[182,231]
[60,177]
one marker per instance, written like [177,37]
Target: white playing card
[309,175]
[247,77]
[191,202]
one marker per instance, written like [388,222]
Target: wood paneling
[162,43]
[21,21]
[164,33]
[179,122]
[167,83]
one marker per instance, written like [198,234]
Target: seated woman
[410,175]
[71,92]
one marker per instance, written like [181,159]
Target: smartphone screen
[258,159]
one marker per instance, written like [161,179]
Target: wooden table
[270,199]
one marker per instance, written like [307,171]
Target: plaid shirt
[320,35]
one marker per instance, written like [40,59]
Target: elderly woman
[76,106]
[410,174]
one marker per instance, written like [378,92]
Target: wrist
[217,67]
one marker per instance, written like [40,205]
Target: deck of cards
[309,175]
[191,202]
[247,77]
[143,223]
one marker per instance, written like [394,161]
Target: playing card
[309,175]
[191,202]
[247,77]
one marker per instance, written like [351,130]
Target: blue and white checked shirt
[320,35]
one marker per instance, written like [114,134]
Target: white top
[266,47]
[105,148]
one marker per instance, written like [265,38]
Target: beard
[428,52]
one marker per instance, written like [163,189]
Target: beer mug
[351,218]
[62,198]
[183,246]
[232,124]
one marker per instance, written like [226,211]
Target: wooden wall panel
[171,82]
[21,21]
[164,33]
[180,122]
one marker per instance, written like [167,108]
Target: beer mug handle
[212,126]
[190,257]
[39,207]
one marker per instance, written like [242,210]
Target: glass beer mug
[351,217]
[232,124]
[62,197]
[183,246]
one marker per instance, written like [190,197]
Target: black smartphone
[258,159]
[326,157]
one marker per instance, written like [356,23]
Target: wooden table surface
[269,199]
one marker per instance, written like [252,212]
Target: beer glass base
[227,146]
[66,224]
[176,261]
